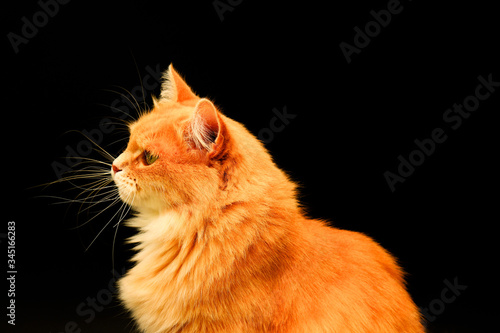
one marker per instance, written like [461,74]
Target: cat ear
[208,131]
[174,88]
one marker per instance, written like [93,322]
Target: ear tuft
[156,103]
[174,88]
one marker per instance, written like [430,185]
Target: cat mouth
[126,196]
[127,188]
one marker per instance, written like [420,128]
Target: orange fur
[223,246]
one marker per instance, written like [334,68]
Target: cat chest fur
[200,282]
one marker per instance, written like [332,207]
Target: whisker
[94,195]
[125,212]
[140,81]
[93,217]
[90,160]
[133,102]
[71,179]
[105,226]
[101,150]
[122,139]
[115,108]
[113,248]
[122,216]
[66,201]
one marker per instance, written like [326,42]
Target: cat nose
[115,168]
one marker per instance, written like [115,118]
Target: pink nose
[115,168]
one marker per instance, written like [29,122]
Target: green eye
[149,157]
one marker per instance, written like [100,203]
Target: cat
[223,244]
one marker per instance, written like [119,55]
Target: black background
[352,122]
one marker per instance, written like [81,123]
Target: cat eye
[149,157]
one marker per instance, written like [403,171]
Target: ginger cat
[223,245]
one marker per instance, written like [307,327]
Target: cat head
[186,152]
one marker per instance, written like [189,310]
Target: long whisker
[139,76]
[133,102]
[122,216]
[116,141]
[70,179]
[101,150]
[115,108]
[113,248]
[105,226]
[66,201]
[107,195]
[125,211]
[114,201]
[91,160]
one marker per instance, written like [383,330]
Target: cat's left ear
[208,131]
[174,88]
